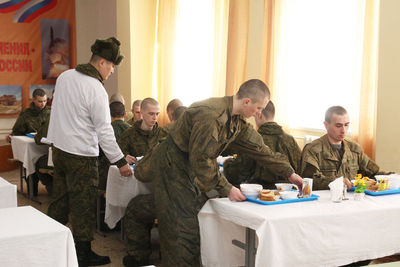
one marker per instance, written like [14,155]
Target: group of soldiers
[180,159]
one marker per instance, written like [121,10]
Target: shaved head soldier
[185,165]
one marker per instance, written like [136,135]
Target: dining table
[309,233]
[8,194]
[29,237]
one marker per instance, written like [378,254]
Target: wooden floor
[110,244]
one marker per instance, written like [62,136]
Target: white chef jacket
[80,117]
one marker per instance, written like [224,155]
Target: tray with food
[273,197]
[384,185]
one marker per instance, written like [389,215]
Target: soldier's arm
[19,127]
[367,166]
[311,169]
[123,142]
[251,143]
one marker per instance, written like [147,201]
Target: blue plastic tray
[30,135]
[277,202]
[382,193]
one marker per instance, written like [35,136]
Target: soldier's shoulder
[353,146]
[314,147]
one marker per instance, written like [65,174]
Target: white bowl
[251,190]
[285,186]
[288,194]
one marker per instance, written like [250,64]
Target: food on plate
[267,195]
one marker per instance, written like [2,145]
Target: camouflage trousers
[104,165]
[74,193]
[46,179]
[178,201]
[138,221]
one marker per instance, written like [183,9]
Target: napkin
[337,189]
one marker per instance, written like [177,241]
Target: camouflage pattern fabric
[185,165]
[140,210]
[244,169]
[119,127]
[130,121]
[74,193]
[138,221]
[137,142]
[42,132]
[30,120]
[322,162]
[45,178]
[167,127]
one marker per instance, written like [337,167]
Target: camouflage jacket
[119,127]
[321,162]
[42,132]
[30,120]
[245,169]
[206,129]
[137,142]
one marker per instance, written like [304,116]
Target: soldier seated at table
[243,169]
[43,172]
[144,134]
[31,118]
[333,156]
[171,107]
[136,115]
[117,111]
[139,214]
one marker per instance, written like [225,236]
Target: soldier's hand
[236,195]
[8,138]
[347,183]
[125,170]
[130,159]
[297,180]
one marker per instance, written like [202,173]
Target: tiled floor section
[111,244]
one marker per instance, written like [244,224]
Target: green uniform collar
[89,70]
[137,125]
[270,128]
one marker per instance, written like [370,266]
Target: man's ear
[326,125]
[124,114]
[246,101]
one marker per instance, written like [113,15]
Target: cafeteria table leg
[249,247]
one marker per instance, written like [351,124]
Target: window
[318,60]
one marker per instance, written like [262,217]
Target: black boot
[86,257]
[131,261]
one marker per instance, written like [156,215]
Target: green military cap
[108,49]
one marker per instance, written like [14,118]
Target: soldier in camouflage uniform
[45,177]
[117,111]
[185,165]
[244,169]
[332,156]
[33,117]
[140,212]
[136,115]
[171,107]
[80,121]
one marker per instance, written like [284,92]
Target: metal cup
[307,187]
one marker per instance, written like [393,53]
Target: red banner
[37,43]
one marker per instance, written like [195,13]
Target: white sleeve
[101,118]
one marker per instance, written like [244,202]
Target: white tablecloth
[30,238]
[8,194]
[315,233]
[27,151]
[120,190]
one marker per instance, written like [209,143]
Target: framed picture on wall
[55,47]
[10,100]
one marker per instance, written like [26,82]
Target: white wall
[388,117]
[95,19]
